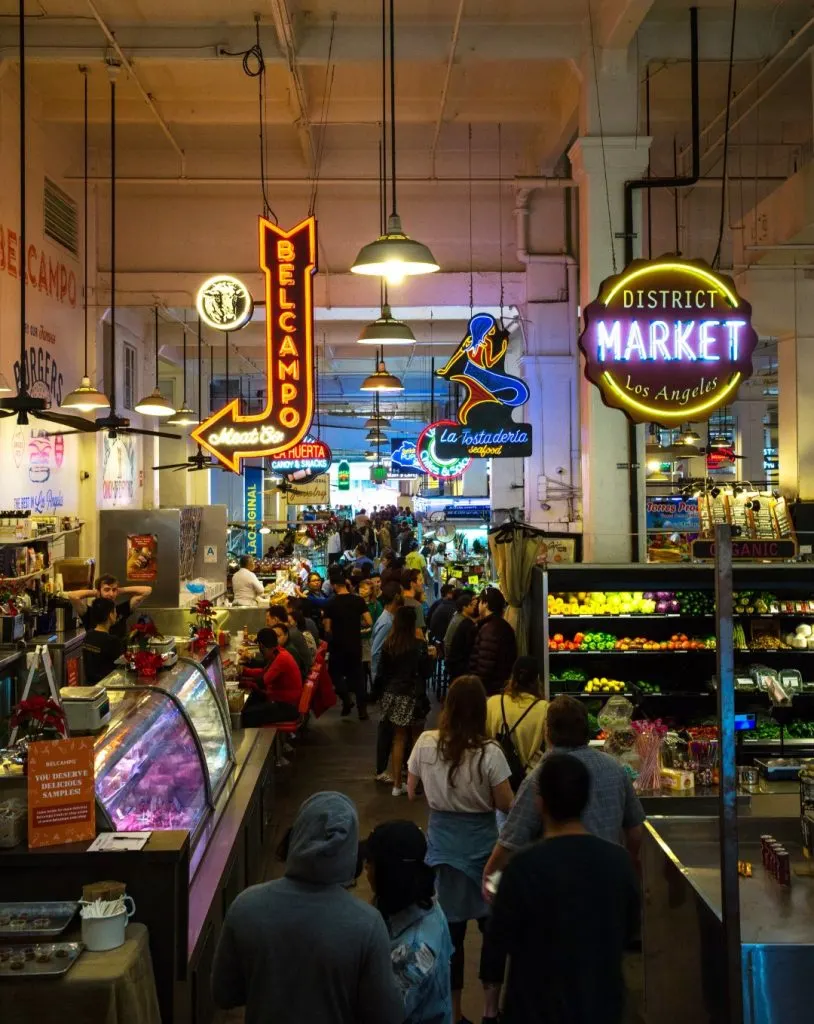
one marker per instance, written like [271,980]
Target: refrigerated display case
[194,689]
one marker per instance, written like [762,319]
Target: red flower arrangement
[39,717]
[147,663]
[142,632]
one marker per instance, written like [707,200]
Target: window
[130,383]
[60,217]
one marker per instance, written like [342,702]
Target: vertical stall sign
[668,341]
[288,262]
[61,792]
[484,428]
[343,476]
[253,509]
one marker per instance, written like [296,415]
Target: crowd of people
[503,770]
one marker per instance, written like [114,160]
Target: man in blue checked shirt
[614,812]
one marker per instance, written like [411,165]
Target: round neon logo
[224,303]
[431,462]
[668,341]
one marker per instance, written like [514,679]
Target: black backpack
[504,738]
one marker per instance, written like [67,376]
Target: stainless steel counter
[768,800]
[683,931]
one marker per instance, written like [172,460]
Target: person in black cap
[420,945]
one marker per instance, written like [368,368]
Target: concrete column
[601,166]
[795,422]
[749,442]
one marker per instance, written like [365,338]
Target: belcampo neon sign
[670,353]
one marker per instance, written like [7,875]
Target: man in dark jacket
[302,948]
[460,646]
[441,612]
[495,648]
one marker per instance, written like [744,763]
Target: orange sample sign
[61,792]
[288,261]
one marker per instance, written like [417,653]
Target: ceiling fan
[24,404]
[199,461]
[112,423]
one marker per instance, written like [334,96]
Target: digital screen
[744,723]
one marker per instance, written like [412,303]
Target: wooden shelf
[42,536]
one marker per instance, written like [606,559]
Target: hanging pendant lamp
[376,421]
[381,380]
[86,397]
[155,404]
[386,330]
[185,417]
[393,255]
[690,436]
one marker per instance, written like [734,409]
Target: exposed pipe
[183,179]
[146,96]
[453,46]
[652,183]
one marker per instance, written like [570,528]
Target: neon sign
[224,303]
[431,462]
[305,461]
[484,428]
[288,261]
[668,341]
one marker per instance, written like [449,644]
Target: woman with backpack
[401,677]
[516,718]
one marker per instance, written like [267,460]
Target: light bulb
[394,272]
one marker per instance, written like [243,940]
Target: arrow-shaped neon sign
[288,261]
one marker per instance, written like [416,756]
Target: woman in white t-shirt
[466,778]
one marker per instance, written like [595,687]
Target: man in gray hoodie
[303,949]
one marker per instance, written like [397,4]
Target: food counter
[683,941]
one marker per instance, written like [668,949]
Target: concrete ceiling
[469,73]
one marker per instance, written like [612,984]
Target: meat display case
[167,752]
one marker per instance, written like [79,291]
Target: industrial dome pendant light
[393,255]
[155,404]
[86,397]
[386,330]
[382,380]
[376,421]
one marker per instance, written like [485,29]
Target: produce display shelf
[594,696]
[775,744]
[638,615]
[698,650]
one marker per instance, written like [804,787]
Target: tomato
[558,638]
[578,638]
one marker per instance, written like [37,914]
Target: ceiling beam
[297,97]
[619,21]
[453,47]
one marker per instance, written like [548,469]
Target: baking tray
[58,916]
[778,769]
[56,965]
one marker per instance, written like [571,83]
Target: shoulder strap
[520,719]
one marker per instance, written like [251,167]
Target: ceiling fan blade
[64,433]
[65,420]
[6,412]
[173,465]
[149,433]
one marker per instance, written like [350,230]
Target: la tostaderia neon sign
[668,341]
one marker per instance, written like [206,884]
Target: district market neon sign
[288,262]
[431,462]
[668,341]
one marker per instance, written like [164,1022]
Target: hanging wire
[611,238]
[254,66]
[393,108]
[330,69]
[471,246]
[716,259]
[500,214]
[383,150]
[84,72]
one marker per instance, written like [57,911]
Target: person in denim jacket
[420,945]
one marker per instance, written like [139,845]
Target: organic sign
[749,550]
[343,476]
[485,428]
[253,509]
[61,797]
[306,460]
[288,260]
[429,459]
[668,341]
[225,303]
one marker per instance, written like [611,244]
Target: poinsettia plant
[147,663]
[141,634]
[39,718]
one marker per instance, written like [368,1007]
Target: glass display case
[191,686]
[150,768]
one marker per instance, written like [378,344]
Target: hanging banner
[253,509]
[343,476]
[315,492]
[305,461]
[142,557]
[668,341]
[429,459]
[484,428]
[288,260]
[61,792]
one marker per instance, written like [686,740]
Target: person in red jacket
[276,689]
[494,650]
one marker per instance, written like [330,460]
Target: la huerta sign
[484,428]
[668,341]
